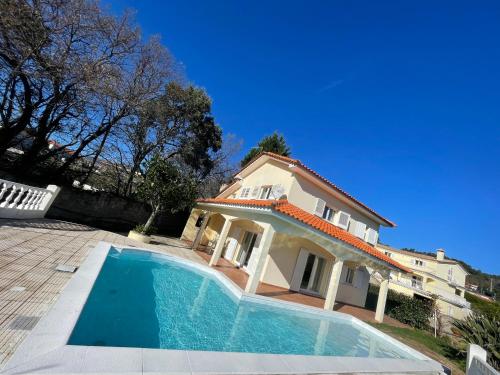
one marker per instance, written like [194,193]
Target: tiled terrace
[30,250]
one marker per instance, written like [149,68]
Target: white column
[262,252]
[474,351]
[49,198]
[220,243]
[333,284]
[200,232]
[382,298]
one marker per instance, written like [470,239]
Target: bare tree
[69,70]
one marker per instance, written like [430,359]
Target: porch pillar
[220,242]
[263,251]
[333,284]
[201,230]
[382,298]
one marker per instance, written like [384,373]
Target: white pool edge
[45,349]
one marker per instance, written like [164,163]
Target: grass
[439,348]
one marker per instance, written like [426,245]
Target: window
[349,276]
[388,254]
[328,213]
[265,192]
[457,292]
[245,192]
[450,274]
[419,263]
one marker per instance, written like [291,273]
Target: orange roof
[323,179]
[284,207]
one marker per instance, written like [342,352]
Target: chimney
[440,254]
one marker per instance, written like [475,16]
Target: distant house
[285,225]
[431,277]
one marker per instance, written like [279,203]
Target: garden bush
[409,310]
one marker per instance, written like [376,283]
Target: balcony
[419,287]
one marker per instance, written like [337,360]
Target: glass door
[313,272]
[246,248]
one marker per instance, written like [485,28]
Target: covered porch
[271,255]
[240,278]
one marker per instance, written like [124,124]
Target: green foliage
[166,188]
[481,306]
[425,342]
[275,143]
[409,310]
[141,228]
[185,114]
[483,331]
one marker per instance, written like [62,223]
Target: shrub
[483,331]
[140,229]
[409,310]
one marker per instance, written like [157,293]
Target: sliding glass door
[313,273]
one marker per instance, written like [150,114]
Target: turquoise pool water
[141,299]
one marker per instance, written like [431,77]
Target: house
[432,277]
[285,225]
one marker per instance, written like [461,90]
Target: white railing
[419,287]
[476,362]
[18,201]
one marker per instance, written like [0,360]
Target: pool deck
[30,251]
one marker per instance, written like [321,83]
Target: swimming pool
[146,300]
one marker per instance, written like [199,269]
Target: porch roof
[284,207]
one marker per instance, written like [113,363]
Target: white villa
[285,225]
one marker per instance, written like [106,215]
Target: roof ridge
[325,180]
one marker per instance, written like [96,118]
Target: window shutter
[342,219]
[359,278]
[320,207]
[277,191]
[255,191]
[371,236]
[359,229]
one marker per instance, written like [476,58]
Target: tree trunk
[151,219]
[96,156]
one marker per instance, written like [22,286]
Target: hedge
[409,310]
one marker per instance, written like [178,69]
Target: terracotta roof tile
[284,207]
[326,181]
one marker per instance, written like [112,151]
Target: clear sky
[397,102]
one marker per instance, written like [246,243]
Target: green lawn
[438,348]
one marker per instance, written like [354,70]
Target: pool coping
[45,349]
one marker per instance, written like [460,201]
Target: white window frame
[349,276]
[245,192]
[328,213]
[267,189]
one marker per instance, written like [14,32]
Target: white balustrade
[18,201]
[476,362]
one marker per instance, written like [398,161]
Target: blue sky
[397,102]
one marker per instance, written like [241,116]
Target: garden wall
[110,212]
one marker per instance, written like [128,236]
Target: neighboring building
[285,225]
[432,277]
